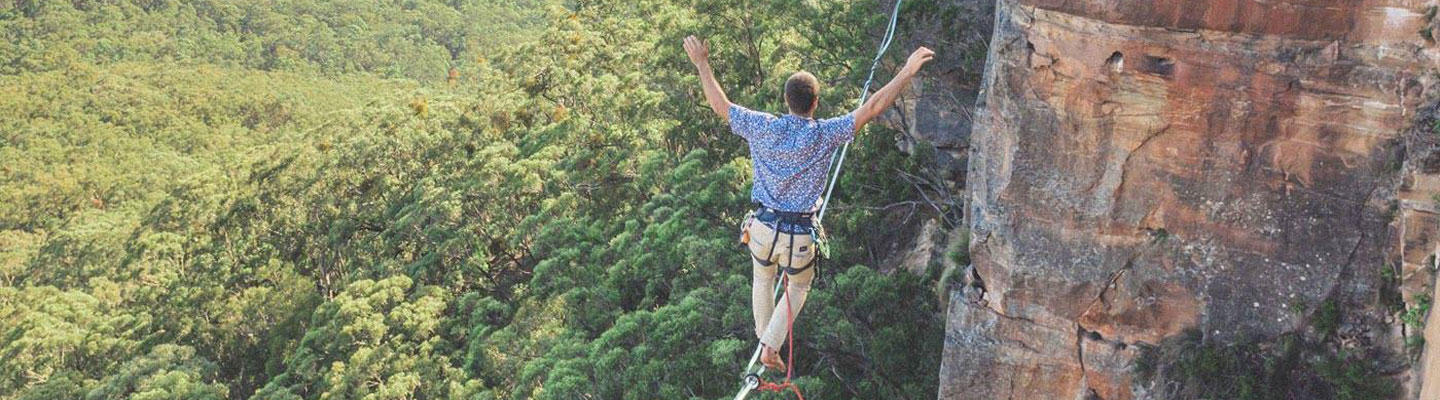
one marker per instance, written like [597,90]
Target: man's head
[802,93]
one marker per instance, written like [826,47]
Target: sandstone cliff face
[1223,172]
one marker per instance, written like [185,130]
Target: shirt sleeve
[840,129]
[748,123]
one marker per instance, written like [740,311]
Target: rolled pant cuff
[772,343]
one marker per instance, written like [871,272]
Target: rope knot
[780,387]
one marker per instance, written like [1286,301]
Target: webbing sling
[838,158]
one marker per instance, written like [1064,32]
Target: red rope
[790,355]
[780,387]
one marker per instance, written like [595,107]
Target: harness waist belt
[786,221]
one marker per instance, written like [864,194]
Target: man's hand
[698,51]
[886,96]
[918,59]
[700,55]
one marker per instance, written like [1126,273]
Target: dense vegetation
[421,199]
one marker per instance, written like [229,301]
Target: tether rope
[752,380]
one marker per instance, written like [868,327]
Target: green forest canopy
[421,199]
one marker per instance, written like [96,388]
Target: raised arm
[699,54]
[883,98]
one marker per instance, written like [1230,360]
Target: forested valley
[426,199]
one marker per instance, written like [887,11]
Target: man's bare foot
[771,358]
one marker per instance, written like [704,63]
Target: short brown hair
[800,92]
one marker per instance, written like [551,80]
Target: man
[791,158]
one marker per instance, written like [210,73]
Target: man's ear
[815,104]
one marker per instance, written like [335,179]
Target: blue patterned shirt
[791,155]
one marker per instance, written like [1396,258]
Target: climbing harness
[784,222]
[751,376]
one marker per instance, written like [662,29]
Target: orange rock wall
[1139,169]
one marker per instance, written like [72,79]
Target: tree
[239,199]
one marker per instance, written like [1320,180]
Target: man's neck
[810,115]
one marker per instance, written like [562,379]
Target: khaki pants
[789,249]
